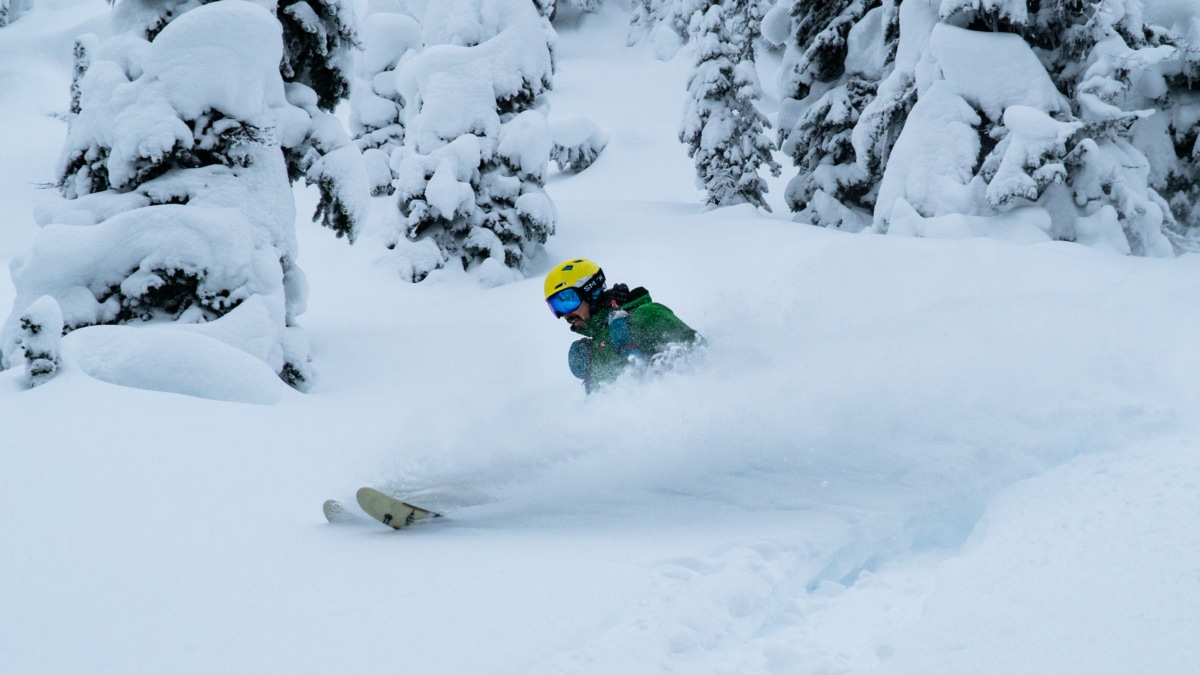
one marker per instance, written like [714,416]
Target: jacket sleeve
[654,326]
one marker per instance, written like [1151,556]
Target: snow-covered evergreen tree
[1109,67]
[818,45]
[836,83]
[376,106]
[1072,114]
[178,203]
[471,170]
[724,131]
[1171,139]
[319,38]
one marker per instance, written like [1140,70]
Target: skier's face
[578,317]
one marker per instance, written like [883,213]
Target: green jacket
[652,328]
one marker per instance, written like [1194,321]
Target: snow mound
[172,360]
[1026,225]
[993,70]
[230,37]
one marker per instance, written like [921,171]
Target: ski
[392,512]
[338,514]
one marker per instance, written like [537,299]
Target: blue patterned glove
[579,358]
[618,332]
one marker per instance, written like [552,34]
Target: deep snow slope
[897,455]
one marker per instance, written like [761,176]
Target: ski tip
[365,493]
[334,511]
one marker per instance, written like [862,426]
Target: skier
[620,327]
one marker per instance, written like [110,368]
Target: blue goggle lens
[564,302]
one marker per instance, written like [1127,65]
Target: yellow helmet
[578,273]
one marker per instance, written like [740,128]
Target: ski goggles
[564,302]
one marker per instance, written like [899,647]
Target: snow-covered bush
[41,340]
[11,10]
[376,106]
[724,131]
[178,202]
[471,170]
[1080,111]
[664,22]
[577,143]
[551,7]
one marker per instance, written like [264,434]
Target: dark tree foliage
[317,35]
[820,30]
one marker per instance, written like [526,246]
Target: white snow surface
[897,455]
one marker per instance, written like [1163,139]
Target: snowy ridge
[897,455]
